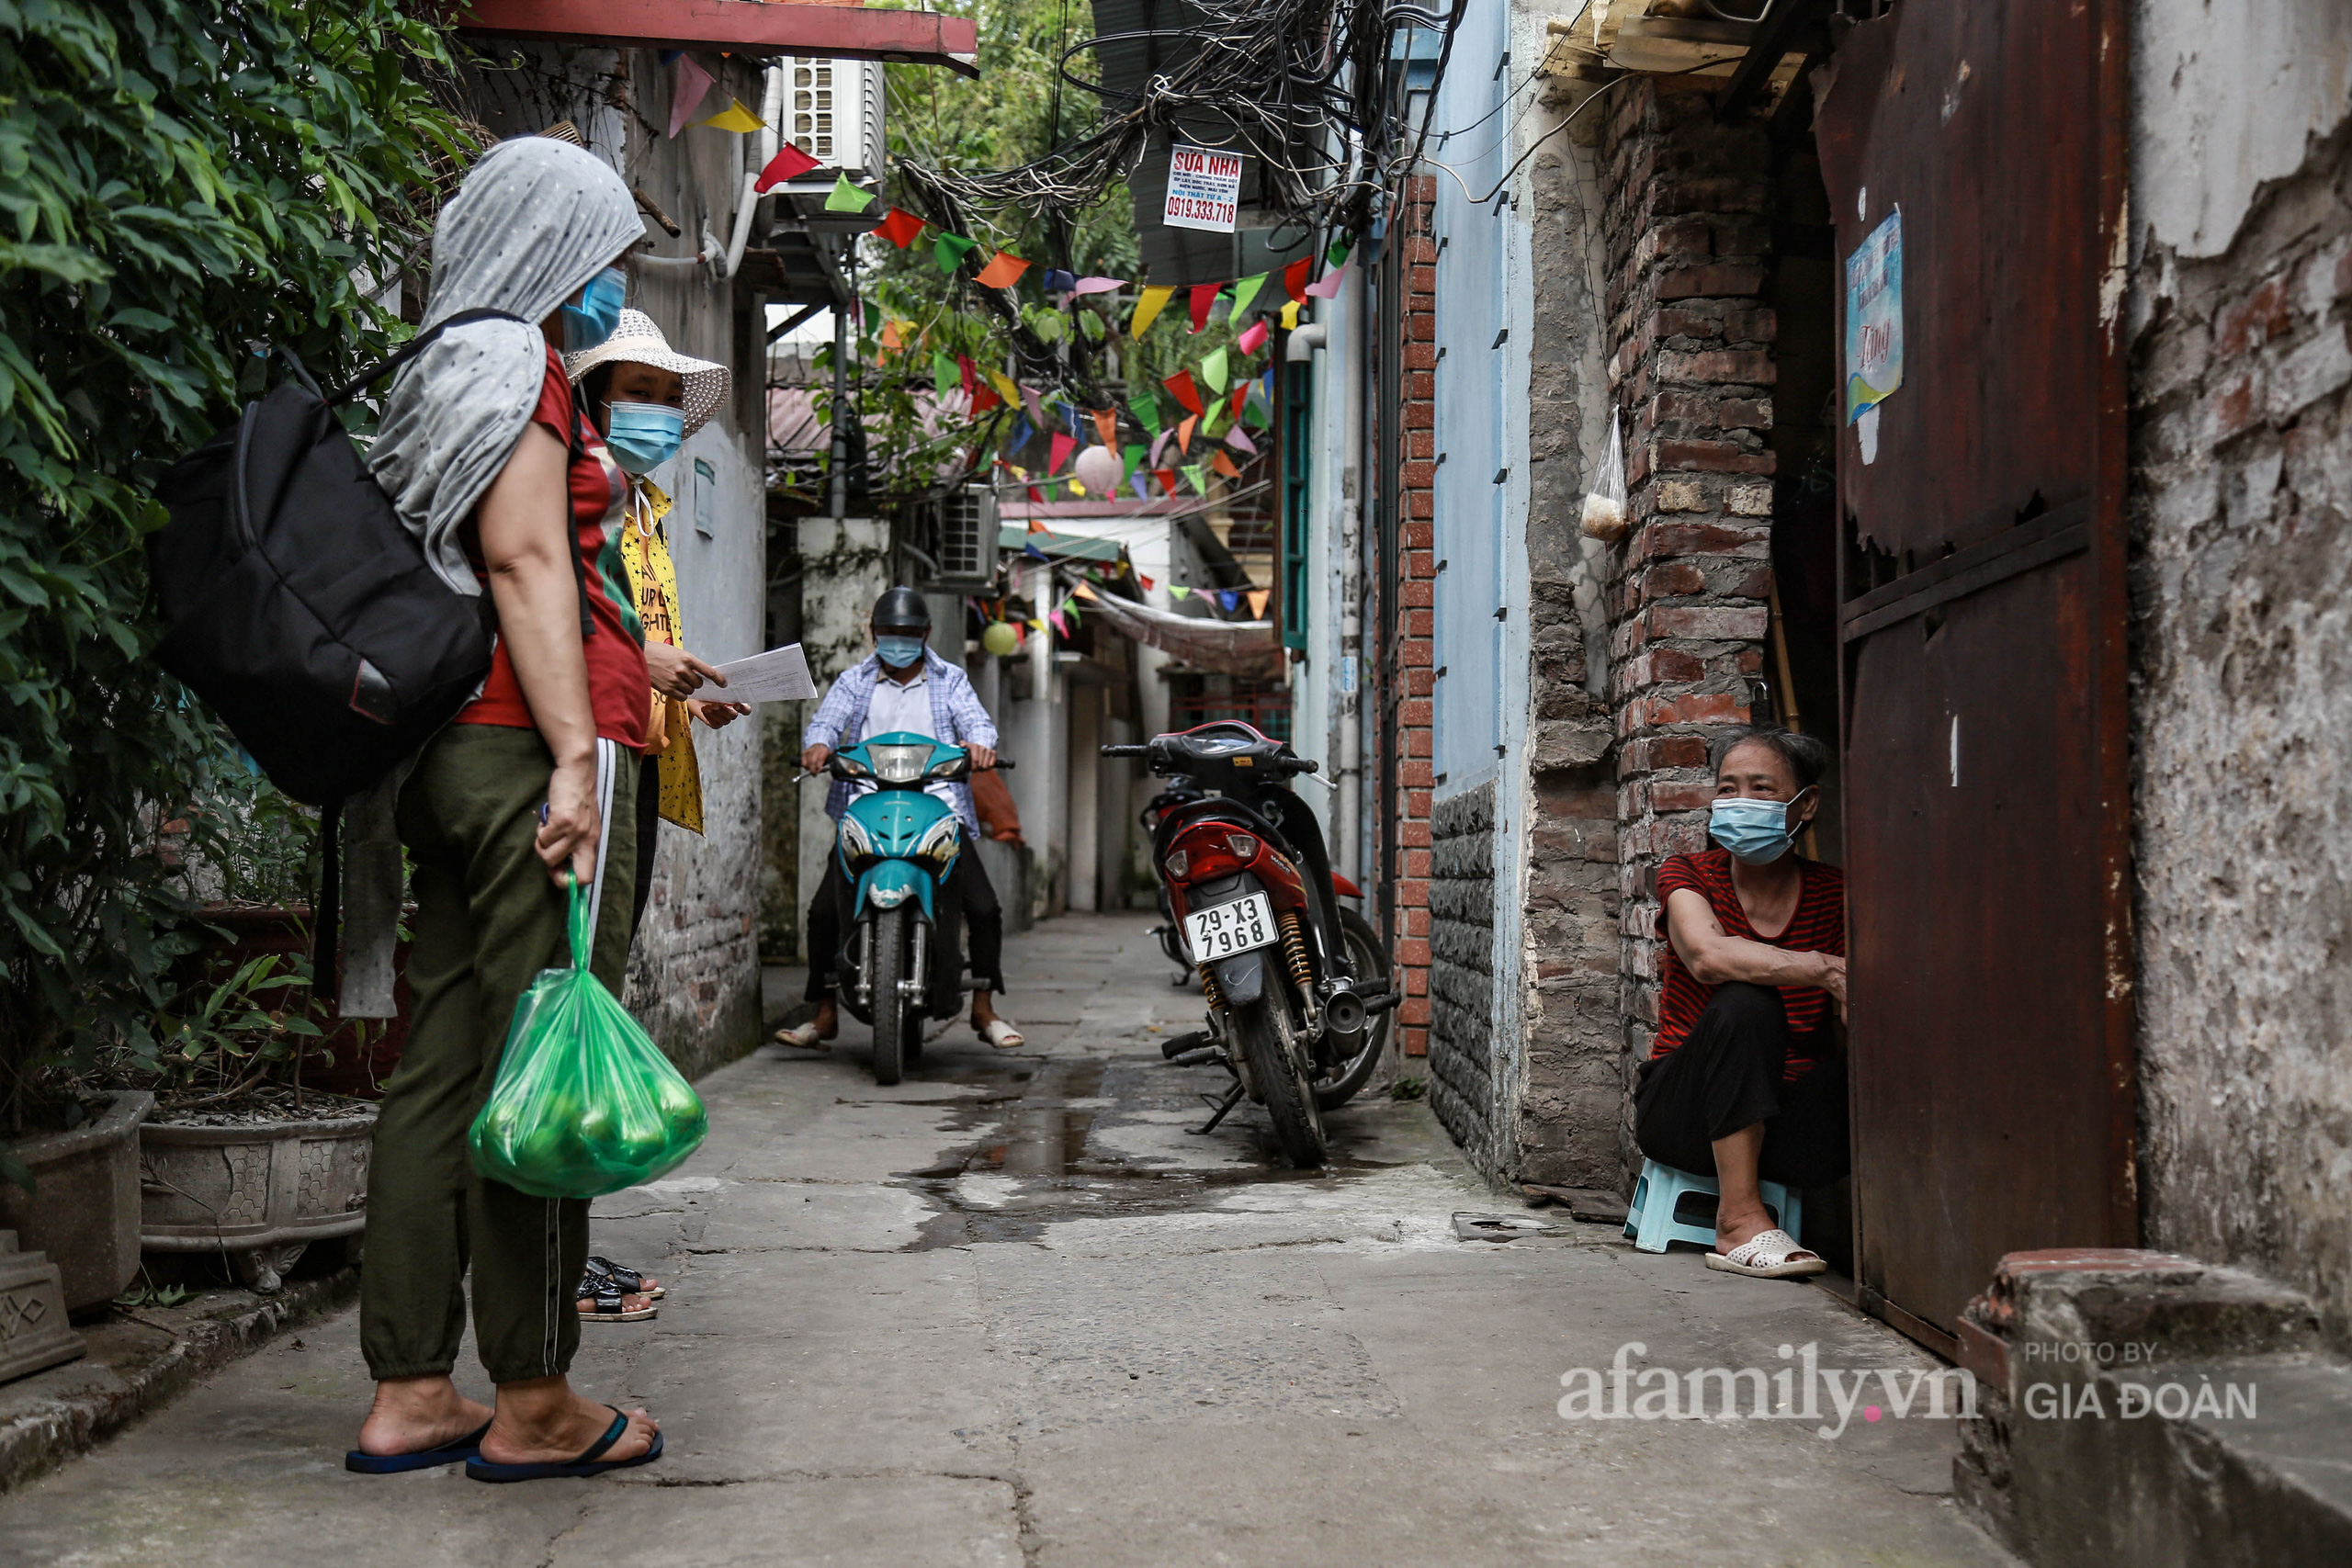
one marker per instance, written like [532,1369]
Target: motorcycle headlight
[888,898]
[898,764]
[938,845]
[857,848]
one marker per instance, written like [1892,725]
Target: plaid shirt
[957,719]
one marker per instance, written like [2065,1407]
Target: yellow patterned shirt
[653,584]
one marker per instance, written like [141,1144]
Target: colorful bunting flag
[1193,472]
[1247,290]
[869,318]
[1213,370]
[1084,591]
[1131,457]
[1296,277]
[734,116]
[1056,281]
[983,400]
[789,163]
[1226,598]
[1225,466]
[1003,271]
[1063,446]
[898,226]
[1184,434]
[1145,580]
[688,83]
[1253,340]
[1204,296]
[1146,409]
[966,372]
[1106,425]
[942,373]
[1328,288]
[1290,316]
[846,198]
[1035,527]
[1167,477]
[1004,387]
[1036,408]
[1060,624]
[1240,393]
[1338,255]
[1178,590]
[1141,484]
[1258,598]
[1239,439]
[890,338]
[950,250]
[1097,285]
[1181,388]
[1147,309]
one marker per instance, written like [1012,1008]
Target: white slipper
[803,1035]
[1002,1036]
[1767,1255]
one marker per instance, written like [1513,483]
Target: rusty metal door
[1983,621]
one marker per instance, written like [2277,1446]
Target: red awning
[740,27]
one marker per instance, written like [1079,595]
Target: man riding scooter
[904,686]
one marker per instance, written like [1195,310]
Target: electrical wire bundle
[1300,85]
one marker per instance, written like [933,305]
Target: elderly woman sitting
[1742,1081]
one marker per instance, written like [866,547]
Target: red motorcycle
[1298,989]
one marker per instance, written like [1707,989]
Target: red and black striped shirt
[1818,926]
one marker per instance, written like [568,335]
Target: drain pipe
[840,412]
[1351,492]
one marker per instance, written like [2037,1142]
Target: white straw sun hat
[637,340]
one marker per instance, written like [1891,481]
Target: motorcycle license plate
[1227,929]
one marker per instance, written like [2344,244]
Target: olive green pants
[488,920]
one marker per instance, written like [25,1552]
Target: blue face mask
[1756,831]
[598,314]
[643,436]
[898,652]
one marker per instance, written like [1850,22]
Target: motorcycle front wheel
[1281,1079]
[890,950]
[1369,965]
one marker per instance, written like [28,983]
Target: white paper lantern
[1099,469]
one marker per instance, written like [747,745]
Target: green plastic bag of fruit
[585,1103]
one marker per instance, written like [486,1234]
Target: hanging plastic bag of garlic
[1604,497]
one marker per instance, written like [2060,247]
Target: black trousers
[967,898]
[648,829]
[1726,1076]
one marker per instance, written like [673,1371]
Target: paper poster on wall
[1203,188]
[1874,318]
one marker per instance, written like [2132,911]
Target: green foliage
[182,182]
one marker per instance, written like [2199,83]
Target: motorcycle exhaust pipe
[1343,1013]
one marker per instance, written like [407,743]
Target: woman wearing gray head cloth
[513,494]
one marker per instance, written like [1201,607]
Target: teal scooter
[902,958]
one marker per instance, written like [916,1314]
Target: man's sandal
[626,1279]
[589,1464]
[1767,1255]
[802,1036]
[999,1032]
[450,1452]
[604,1302]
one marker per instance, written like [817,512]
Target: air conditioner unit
[967,538]
[831,109]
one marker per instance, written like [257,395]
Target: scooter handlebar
[1126,750]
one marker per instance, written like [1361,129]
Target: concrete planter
[33,1330]
[259,1195]
[86,1216]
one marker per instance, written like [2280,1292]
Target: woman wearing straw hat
[646,400]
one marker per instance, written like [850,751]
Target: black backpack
[298,605]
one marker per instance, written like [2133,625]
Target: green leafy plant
[1409,1088]
[182,184]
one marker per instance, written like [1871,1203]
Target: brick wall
[2242,609]
[1410,679]
[1687,231]
[1462,970]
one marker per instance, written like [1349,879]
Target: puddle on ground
[1037,1161]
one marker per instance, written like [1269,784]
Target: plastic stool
[1650,1219]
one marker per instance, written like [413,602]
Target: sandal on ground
[999,1032]
[450,1452]
[802,1036]
[627,1278]
[1767,1255]
[605,1302]
[589,1464]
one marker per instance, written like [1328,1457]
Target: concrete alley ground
[1010,1312]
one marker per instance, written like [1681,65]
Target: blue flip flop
[449,1453]
[481,1469]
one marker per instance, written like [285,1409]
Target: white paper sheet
[779,675]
